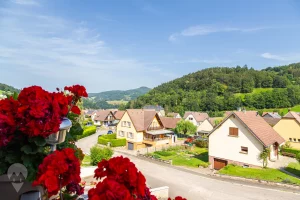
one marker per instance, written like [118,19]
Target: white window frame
[130,135]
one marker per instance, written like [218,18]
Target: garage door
[219,164]
[130,146]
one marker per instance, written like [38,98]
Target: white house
[201,120]
[174,115]
[240,138]
[103,117]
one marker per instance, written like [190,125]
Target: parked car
[110,132]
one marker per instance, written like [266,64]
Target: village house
[160,110]
[174,115]
[240,138]
[201,120]
[103,118]
[143,128]
[289,128]
[271,118]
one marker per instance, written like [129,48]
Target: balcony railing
[156,139]
[151,128]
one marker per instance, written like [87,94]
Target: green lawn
[255,91]
[294,168]
[273,175]
[182,157]
[86,161]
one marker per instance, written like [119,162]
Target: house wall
[226,147]
[97,123]
[205,126]
[137,136]
[193,120]
[289,128]
[177,116]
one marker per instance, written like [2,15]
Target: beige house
[174,115]
[103,118]
[201,120]
[240,138]
[143,128]
[289,128]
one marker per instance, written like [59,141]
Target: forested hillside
[220,88]
[114,95]
[8,88]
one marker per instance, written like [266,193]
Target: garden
[184,156]
[267,174]
[112,139]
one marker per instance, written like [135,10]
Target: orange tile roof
[199,116]
[141,119]
[101,115]
[292,115]
[119,114]
[169,122]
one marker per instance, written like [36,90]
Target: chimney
[244,110]
[257,114]
[238,108]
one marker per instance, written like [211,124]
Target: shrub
[288,154]
[201,143]
[98,154]
[112,139]
[164,153]
[298,157]
[87,132]
[291,151]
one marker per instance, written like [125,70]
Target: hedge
[290,151]
[98,154]
[112,139]
[87,132]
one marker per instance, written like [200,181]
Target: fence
[156,148]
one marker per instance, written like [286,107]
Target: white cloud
[52,51]
[26,2]
[287,57]
[206,30]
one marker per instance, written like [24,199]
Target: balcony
[151,128]
[156,141]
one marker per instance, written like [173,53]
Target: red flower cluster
[122,181]
[8,109]
[77,90]
[36,112]
[60,167]
[178,198]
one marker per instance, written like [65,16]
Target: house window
[295,140]
[244,150]
[298,140]
[123,123]
[121,133]
[233,131]
[130,135]
[129,124]
[290,139]
[190,118]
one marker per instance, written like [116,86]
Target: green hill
[7,88]
[119,95]
[112,99]
[223,88]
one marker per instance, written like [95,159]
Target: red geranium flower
[77,90]
[126,178]
[8,109]
[60,167]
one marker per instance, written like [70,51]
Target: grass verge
[273,175]
[294,168]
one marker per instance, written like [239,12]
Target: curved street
[194,186]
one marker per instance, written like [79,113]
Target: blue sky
[124,44]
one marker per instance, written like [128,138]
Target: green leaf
[39,141]
[12,158]
[26,149]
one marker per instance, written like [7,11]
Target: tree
[185,127]
[264,156]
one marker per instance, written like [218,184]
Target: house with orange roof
[143,128]
[103,118]
[240,138]
[289,128]
[199,119]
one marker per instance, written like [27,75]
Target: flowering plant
[120,180]
[32,116]
[60,169]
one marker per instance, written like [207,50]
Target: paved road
[195,187]
[86,143]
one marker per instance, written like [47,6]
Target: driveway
[86,143]
[282,162]
[194,186]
